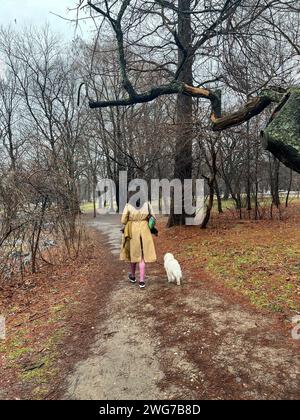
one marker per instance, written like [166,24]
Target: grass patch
[260,261]
[31,350]
[87,207]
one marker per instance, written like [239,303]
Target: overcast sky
[38,12]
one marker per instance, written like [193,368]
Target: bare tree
[193,30]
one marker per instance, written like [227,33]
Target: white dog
[173,269]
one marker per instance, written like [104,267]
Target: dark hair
[138,204]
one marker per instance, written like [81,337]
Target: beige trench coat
[141,241]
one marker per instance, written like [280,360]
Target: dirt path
[123,362]
[169,342]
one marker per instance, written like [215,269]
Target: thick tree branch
[288,151]
[252,108]
[219,122]
[116,25]
[281,137]
[149,96]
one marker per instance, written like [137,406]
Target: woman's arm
[125,215]
[152,211]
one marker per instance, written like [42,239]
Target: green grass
[261,262]
[87,207]
[22,349]
[263,201]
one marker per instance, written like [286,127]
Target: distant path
[169,342]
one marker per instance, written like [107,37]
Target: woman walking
[137,243]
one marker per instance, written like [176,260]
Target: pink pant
[142,269]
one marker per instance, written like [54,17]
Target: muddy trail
[187,342]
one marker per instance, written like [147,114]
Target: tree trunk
[289,189]
[275,182]
[226,193]
[94,195]
[209,207]
[256,200]
[184,109]
[238,202]
[248,182]
[219,199]
[256,211]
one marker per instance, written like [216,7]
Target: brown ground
[200,340]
